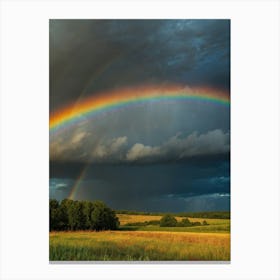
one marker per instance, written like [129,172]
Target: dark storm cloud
[197,183]
[72,170]
[92,55]
[149,187]
[79,147]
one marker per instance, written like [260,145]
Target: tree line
[81,215]
[169,220]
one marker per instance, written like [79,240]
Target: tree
[54,214]
[87,209]
[102,217]
[65,205]
[81,215]
[168,221]
[73,215]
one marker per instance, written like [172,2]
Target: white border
[254,131]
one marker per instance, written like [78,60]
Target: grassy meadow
[145,243]
[139,246]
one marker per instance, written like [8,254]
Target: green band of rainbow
[118,99]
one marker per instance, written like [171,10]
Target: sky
[160,155]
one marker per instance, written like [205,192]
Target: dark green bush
[168,221]
[184,223]
[146,223]
[196,223]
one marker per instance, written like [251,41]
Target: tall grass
[139,245]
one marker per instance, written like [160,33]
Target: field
[139,246]
[145,243]
[215,225]
[224,228]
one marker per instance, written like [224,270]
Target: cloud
[219,180]
[139,151]
[69,143]
[117,143]
[110,150]
[81,148]
[77,138]
[176,148]
[61,185]
[156,187]
[59,188]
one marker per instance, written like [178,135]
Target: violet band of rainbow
[119,99]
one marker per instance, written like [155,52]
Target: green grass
[215,226]
[210,228]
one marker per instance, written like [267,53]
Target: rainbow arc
[119,99]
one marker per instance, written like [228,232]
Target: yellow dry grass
[139,245]
[124,218]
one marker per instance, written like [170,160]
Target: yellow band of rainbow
[117,99]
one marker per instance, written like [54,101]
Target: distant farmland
[125,219]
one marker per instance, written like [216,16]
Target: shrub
[184,223]
[168,221]
[146,223]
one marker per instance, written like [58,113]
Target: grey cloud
[155,187]
[61,188]
[139,151]
[109,150]
[62,146]
[80,147]
[211,143]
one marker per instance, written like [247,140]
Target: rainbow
[77,184]
[121,98]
